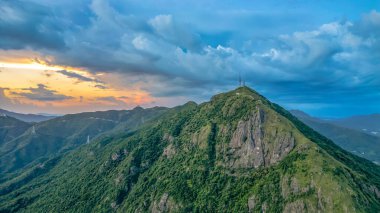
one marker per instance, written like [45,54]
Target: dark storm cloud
[77,76]
[177,52]
[41,93]
[24,24]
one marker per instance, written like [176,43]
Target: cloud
[80,77]
[173,52]
[76,76]
[26,24]
[4,100]
[177,34]
[112,100]
[41,93]
[100,86]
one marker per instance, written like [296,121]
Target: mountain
[26,117]
[366,123]
[64,133]
[237,153]
[355,141]
[11,128]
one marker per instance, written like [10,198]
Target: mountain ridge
[64,133]
[26,117]
[236,153]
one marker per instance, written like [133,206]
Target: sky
[59,57]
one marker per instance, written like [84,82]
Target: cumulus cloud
[41,93]
[161,52]
[26,24]
[177,34]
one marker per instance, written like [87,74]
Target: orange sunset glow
[79,92]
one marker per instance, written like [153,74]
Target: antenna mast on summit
[240,81]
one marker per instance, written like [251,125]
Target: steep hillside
[355,141]
[11,128]
[67,132]
[236,153]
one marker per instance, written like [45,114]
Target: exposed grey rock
[115,156]
[264,207]
[164,205]
[294,186]
[284,143]
[247,142]
[252,147]
[169,151]
[290,186]
[199,138]
[119,179]
[320,203]
[251,203]
[297,206]
[168,138]
[114,205]
[375,190]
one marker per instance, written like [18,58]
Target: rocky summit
[236,153]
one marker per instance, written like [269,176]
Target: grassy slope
[126,172]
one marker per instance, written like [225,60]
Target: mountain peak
[238,152]
[138,108]
[240,94]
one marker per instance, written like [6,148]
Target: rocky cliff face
[251,146]
[247,146]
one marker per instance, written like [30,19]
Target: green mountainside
[237,153]
[355,141]
[64,133]
[11,128]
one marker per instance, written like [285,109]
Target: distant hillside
[64,133]
[11,128]
[26,117]
[236,153]
[355,141]
[365,123]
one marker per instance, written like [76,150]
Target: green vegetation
[11,128]
[62,134]
[236,153]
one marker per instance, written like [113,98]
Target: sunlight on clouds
[85,91]
[31,66]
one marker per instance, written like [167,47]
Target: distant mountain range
[239,152]
[365,123]
[35,142]
[349,135]
[26,117]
